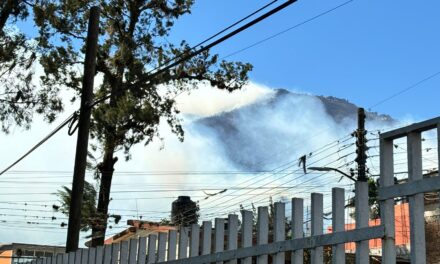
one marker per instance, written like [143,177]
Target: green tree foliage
[12,10]
[19,97]
[373,202]
[90,218]
[132,42]
[88,210]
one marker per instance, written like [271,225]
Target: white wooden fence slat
[107,254]
[183,242]
[84,256]
[416,202]
[246,232]
[92,255]
[65,259]
[262,231]
[124,253]
[151,249]
[338,223]
[78,256]
[232,234]
[194,242]
[71,257]
[219,236]
[99,254]
[297,228]
[142,250]
[115,253]
[162,246]
[206,237]
[59,259]
[362,217]
[45,261]
[387,206]
[133,250]
[279,230]
[172,243]
[438,151]
[317,226]
[40,261]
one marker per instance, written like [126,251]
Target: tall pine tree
[132,41]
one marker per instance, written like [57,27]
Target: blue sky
[364,51]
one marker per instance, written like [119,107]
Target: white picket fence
[205,244]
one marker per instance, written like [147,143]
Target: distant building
[22,253]
[402,227]
[401,216]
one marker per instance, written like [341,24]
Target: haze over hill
[282,120]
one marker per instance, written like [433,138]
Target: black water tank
[184,211]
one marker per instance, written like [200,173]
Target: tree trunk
[106,168]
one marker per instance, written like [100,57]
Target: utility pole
[361,146]
[76,200]
[361,188]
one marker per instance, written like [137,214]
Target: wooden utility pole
[83,132]
[361,146]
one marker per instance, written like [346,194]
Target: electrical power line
[216,206]
[418,83]
[41,142]
[287,29]
[216,34]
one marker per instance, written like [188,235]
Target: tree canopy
[19,96]
[132,43]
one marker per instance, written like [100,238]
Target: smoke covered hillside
[282,124]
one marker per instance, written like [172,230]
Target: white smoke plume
[254,129]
